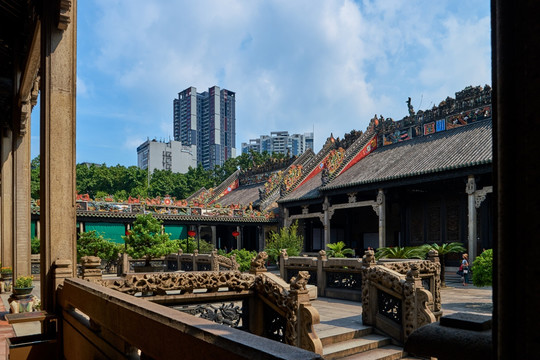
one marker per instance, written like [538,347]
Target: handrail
[394,303]
[107,323]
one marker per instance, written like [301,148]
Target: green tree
[35,245]
[145,239]
[286,238]
[397,252]
[90,243]
[443,250]
[243,258]
[482,269]
[190,244]
[338,250]
[34,177]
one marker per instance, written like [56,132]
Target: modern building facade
[208,121]
[280,142]
[172,155]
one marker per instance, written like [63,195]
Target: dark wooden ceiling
[17,20]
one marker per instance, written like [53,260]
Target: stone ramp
[343,335]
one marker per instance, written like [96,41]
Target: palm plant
[338,250]
[397,252]
[444,249]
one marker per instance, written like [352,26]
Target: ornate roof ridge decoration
[361,147]
[471,104]
[315,163]
[226,186]
[270,165]
[267,197]
[196,194]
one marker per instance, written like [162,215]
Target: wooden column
[381,204]
[326,222]
[6,188]
[22,221]
[57,151]
[214,242]
[471,225]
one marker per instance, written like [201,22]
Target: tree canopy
[120,182]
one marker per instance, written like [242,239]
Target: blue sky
[294,65]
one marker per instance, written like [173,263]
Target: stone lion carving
[299,282]
[368,258]
[257,263]
[283,253]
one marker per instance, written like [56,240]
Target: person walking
[465,269]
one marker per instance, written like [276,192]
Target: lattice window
[344,280]
[390,306]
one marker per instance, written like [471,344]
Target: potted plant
[23,285]
[7,272]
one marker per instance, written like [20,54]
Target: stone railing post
[178,262]
[283,257]
[257,265]
[195,256]
[91,267]
[368,306]
[306,315]
[433,256]
[125,264]
[416,303]
[321,278]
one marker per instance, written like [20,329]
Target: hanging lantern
[235,233]
[127,233]
[191,233]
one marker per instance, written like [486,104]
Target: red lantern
[191,233]
[127,232]
[235,233]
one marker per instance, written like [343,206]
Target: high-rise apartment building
[280,142]
[208,121]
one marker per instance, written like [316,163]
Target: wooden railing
[98,322]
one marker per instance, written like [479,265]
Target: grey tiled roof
[308,190]
[242,195]
[458,148]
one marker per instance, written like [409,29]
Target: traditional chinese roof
[308,190]
[459,148]
[243,195]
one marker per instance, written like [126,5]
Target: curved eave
[408,175]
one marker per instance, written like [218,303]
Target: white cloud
[293,64]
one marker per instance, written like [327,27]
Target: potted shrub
[90,243]
[7,272]
[146,240]
[23,285]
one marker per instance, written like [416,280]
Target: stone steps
[344,336]
[360,343]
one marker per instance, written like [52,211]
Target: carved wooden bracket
[64,14]
[480,195]
[352,197]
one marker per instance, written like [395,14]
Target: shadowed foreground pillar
[57,208]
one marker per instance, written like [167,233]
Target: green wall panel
[110,231]
[176,231]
